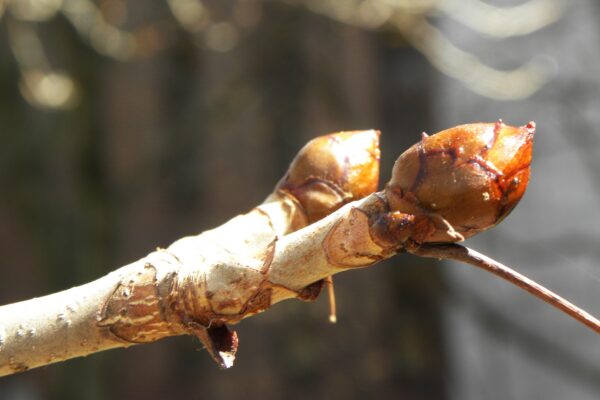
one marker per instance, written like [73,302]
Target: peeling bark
[309,229]
[199,283]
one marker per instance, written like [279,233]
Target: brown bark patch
[134,311]
[349,243]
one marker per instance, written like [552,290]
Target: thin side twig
[331,296]
[476,259]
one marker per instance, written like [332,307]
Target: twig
[202,281]
[331,296]
[447,187]
[472,257]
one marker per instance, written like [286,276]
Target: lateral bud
[333,170]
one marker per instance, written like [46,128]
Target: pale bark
[191,287]
[200,282]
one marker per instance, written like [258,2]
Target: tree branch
[138,303]
[472,257]
[447,187]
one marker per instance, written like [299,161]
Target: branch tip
[466,255]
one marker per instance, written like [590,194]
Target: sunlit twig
[472,257]
[410,18]
[503,22]
[104,37]
[517,84]
[40,84]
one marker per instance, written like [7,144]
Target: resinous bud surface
[332,170]
[471,175]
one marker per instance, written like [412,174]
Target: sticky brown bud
[467,178]
[332,170]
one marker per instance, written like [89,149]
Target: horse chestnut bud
[463,180]
[332,170]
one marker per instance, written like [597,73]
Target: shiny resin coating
[467,178]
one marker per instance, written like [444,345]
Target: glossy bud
[332,170]
[465,179]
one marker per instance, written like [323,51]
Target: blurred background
[125,125]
